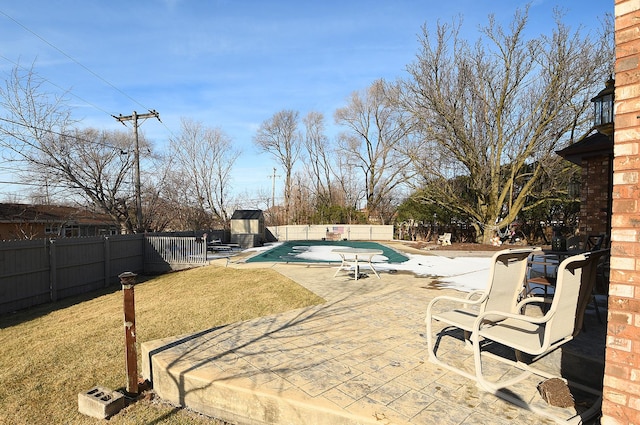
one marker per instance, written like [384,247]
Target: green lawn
[50,353]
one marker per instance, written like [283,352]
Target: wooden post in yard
[128,280]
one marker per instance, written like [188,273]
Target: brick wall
[621,403]
[595,192]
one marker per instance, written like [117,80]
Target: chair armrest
[544,259]
[474,293]
[480,294]
[541,256]
[504,315]
[463,301]
[456,299]
[520,306]
[528,300]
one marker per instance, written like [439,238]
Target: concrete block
[99,402]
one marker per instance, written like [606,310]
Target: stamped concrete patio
[360,358]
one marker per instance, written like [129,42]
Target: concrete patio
[360,358]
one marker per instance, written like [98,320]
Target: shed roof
[247,215]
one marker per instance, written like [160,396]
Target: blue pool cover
[290,251]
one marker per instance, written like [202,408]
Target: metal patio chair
[504,288]
[538,336]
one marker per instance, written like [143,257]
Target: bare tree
[280,137]
[93,164]
[494,112]
[319,157]
[302,199]
[38,137]
[378,133]
[163,199]
[204,158]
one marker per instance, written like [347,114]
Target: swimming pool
[320,252]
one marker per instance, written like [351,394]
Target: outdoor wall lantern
[603,108]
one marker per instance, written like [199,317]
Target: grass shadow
[17,317]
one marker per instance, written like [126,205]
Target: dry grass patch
[51,353]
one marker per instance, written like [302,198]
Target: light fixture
[603,108]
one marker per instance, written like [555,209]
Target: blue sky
[233,64]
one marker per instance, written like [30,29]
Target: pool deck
[359,358]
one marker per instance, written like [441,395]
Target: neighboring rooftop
[13,213]
[28,221]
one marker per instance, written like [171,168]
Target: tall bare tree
[204,157]
[163,199]
[91,164]
[38,137]
[279,136]
[495,111]
[319,157]
[349,191]
[302,199]
[378,133]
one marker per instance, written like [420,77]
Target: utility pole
[273,189]
[135,117]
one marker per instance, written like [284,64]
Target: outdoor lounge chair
[537,336]
[504,287]
[445,239]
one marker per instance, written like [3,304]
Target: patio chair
[588,294]
[597,242]
[542,276]
[504,287]
[538,336]
[445,239]
[576,243]
[542,267]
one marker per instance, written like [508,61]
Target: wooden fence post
[128,280]
[53,271]
[107,261]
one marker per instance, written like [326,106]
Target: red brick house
[621,403]
[23,221]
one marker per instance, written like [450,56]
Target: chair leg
[484,383]
[506,395]
[597,309]
[339,269]
[433,358]
[595,305]
[430,344]
[467,341]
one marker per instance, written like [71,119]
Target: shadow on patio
[360,358]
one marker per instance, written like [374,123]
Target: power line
[93,142]
[72,94]
[55,85]
[21,184]
[84,67]
[51,185]
[73,59]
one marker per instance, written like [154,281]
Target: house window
[108,231]
[52,229]
[72,231]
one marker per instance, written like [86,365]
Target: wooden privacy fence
[34,272]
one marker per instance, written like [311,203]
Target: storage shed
[247,228]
